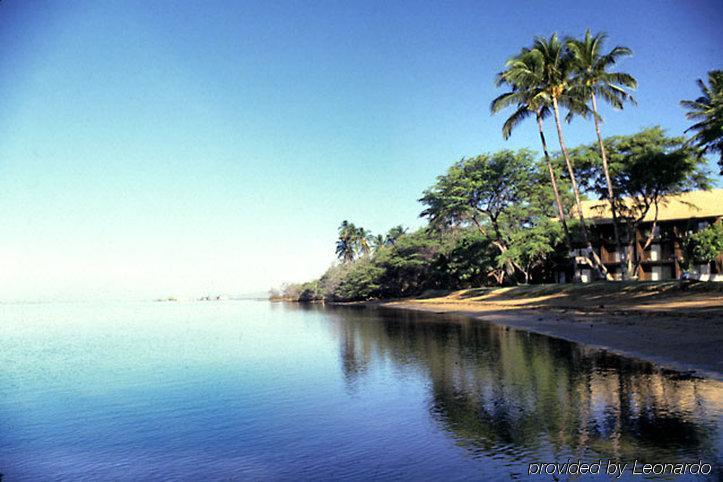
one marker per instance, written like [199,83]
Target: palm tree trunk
[556,191]
[597,264]
[553,180]
[611,197]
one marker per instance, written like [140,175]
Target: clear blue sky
[155,148]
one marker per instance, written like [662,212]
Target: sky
[164,148]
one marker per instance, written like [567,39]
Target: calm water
[252,390]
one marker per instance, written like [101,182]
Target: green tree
[409,266]
[492,192]
[378,241]
[591,78]
[346,246]
[363,240]
[390,238]
[353,241]
[395,233]
[647,168]
[310,291]
[530,247]
[468,259]
[360,281]
[707,110]
[706,245]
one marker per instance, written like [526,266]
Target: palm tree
[353,242]
[378,241]
[591,78]
[395,233]
[346,244]
[555,82]
[708,111]
[362,239]
[524,77]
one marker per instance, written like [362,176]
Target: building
[661,258]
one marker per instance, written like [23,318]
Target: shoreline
[670,340]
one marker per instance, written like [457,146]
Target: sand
[672,325]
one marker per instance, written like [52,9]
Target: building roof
[689,205]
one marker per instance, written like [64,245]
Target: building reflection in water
[508,393]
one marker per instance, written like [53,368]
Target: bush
[361,281]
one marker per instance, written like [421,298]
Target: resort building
[659,258]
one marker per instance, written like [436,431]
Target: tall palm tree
[591,78]
[555,82]
[528,97]
[708,111]
[346,244]
[362,239]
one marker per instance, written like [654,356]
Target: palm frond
[515,119]
[708,110]
[506,100]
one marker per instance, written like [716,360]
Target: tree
[346,244]
[647,168]
[408,266]
[395,233]
[555,82]
[390,239]
[707,110]
[706,245]
[492,192]
[378,241]
[591,78]
[530,247]
[360,282]
[353,242]
[363,240]
[466,259]
[524,75]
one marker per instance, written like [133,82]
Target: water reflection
[522,397]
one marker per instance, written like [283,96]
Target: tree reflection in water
[510,393]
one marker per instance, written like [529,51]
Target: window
[655,252]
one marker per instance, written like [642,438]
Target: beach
[673,325]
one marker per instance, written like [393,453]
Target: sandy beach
[675,326]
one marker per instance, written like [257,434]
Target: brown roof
[689,205]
